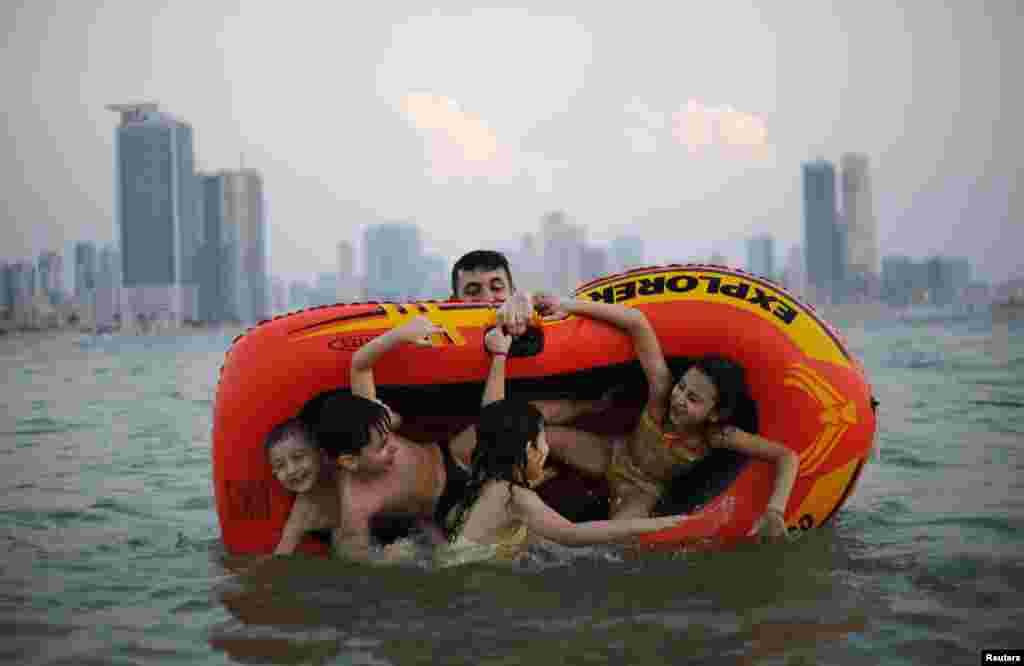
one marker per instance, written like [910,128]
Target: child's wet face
[295,463]
[693,399]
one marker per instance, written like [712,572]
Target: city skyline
[693,153]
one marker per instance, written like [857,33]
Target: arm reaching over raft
[416,331]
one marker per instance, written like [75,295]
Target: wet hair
[486,260]
[505,429]
[343,422]
[729,380]
[292,427]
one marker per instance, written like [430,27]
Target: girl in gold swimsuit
[499,509]
[680,424]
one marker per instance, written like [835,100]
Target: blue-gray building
[761,256]
[20,285]
[218,264]
[627,252]
[394,262]
[158,213]
[5,286]
[824,242]
[85,269]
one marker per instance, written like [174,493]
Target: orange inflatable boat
[808,392]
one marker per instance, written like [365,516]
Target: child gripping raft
[681,423]
[500,510]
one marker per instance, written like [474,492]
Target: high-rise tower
[859,216]
[158,215]
[823,237]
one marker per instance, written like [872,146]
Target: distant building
[5,289]
[108,287]
[219,263]
[325,292]
[51,276]
[859,216]
[824,242]
[594,263]
[158,214]
[235,281]
[394,262]
[299,295]
[348,288]
[761,256]
[21,281]
[947,278]
[563,244]
[436,278]
[85,269]
[627,252]
[278,296]
[902,278]
[794,275]
[527,264]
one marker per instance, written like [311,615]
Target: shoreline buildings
[157,215]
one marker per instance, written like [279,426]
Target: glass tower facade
[824,240]
[158,214]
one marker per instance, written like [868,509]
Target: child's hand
[549,305]
[497,341]
[771,524]
[515,313]
[417,331]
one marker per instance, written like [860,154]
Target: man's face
[483,285]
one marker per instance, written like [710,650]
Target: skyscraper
[348,288]
[234,279]
[761,256]
[51,276]
[219,298]
[563,244]
[85,270]
[859,216]
[158,215]
[393,263]
[247,209]
[823,238]
[108,287]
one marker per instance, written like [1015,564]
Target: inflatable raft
[808,392]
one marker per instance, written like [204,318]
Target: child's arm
[351,542]
[633,322]
[497,343]
[772,523]
[295,528]
[417,331]
[541,519]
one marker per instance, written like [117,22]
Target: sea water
[111,549]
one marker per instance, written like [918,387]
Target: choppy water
[111,552]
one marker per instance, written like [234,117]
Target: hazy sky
[683,122]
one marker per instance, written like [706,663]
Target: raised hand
[549,305]
[497,341]
[771,524]
[514,314]
[417,331]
